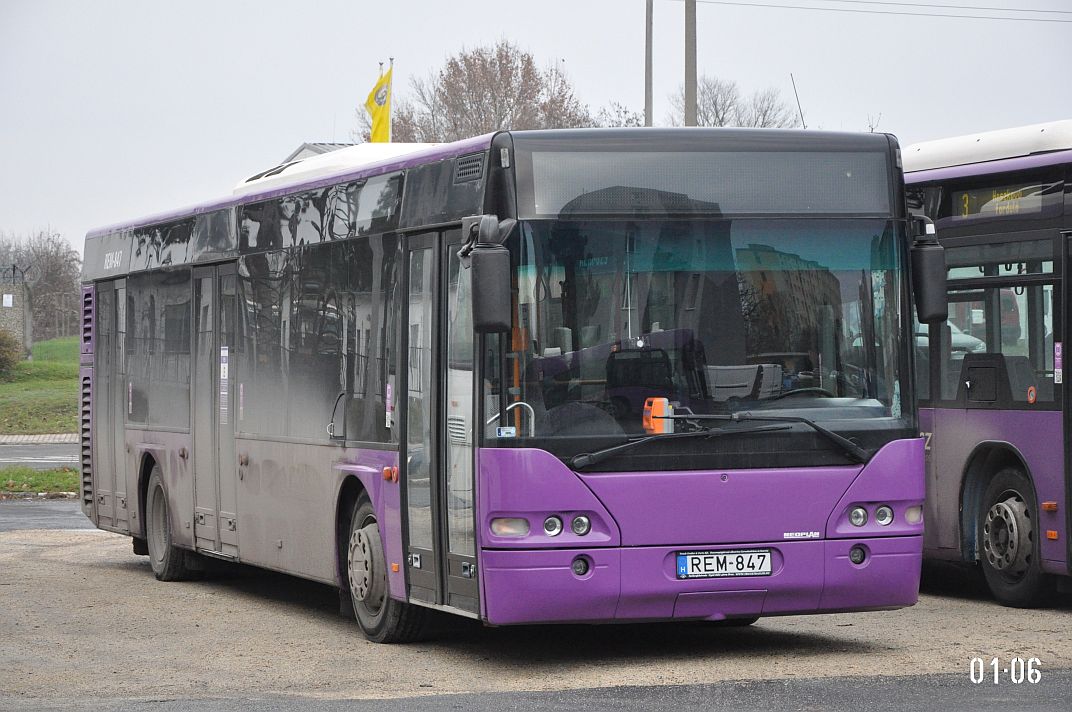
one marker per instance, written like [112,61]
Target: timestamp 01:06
[996,671]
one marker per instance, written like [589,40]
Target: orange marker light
[387,473]
[394,473]
[394,568]
[655,412]
[1051,534]
[1049,506]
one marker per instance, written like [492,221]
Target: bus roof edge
[988,146]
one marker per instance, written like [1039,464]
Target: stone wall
[14,313]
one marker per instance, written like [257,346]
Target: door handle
[243,460]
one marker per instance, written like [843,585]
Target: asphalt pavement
[40,457]
[948,693]
[288,650]
[16,514]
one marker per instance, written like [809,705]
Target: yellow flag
[378,105]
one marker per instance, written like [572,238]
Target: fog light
[510,526]
[883,516]
[580,566]
[858,516]
[914,515]
[581,525]
[552,526]
[857,555]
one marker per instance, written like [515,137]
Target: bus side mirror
[490,262]
[928,272]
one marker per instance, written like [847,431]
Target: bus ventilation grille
[87,320]
[85,420]
[457,429]
[468,168]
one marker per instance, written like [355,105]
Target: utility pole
[647,64]
[690,62]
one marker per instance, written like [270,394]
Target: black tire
[169,562]
[1009,542]
[381,618]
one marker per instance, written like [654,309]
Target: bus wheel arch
[985,462]
[999,520]
[145,469]
[351,490]
[382,619]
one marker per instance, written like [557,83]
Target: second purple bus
[992,377]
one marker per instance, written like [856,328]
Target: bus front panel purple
[786,528]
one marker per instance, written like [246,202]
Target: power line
[879,12]
[949,7]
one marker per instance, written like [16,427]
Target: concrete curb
[49,439]
[38,495]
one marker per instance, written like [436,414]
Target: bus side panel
[287,496]
[1039,438]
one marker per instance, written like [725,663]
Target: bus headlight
[510,526]
[857,516]
[552,526]
[914,515]
[581,525]
[884,516]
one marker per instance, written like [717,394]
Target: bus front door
[215,469]
[437,453]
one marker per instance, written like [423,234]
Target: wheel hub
[368,577]
[1007,535]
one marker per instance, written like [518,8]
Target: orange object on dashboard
[656,416]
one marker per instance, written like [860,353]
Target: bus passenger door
[459,430]
[215,510]
[420,474]
[437,457]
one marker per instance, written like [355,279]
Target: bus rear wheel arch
[381,618]
[169,562]
[1008,541]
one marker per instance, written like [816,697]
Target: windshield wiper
[858,453]
[590,458]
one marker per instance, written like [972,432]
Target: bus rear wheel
[1008,542]
[381,618]
[169,562]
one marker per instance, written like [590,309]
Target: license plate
[720,564]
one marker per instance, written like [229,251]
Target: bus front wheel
[1009,541]
[382,619]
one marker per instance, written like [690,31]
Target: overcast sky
[110,110]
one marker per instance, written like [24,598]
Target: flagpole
[390,96]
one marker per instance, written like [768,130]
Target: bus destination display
[999,201]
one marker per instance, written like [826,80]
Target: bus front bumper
[640,583]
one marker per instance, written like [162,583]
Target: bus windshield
[716,315]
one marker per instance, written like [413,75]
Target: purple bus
[991,378]
[419,374]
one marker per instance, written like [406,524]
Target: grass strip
[26,479]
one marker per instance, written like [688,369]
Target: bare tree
[719,102]
[482,90]
[616,114]
[55,297]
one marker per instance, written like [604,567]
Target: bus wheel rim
[367,577]
[1007,535]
